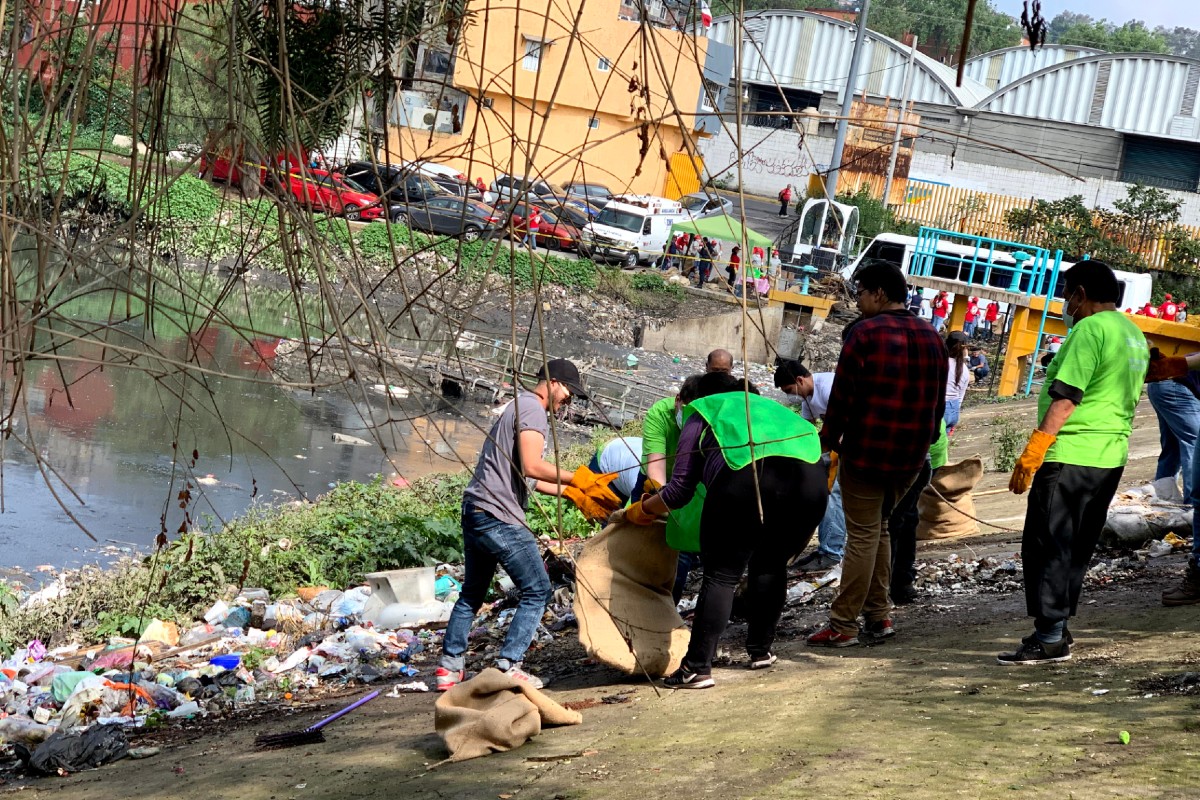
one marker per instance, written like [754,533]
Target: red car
[553,232]
[332,193]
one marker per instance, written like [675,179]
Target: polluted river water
[120,435]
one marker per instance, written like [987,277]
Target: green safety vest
[778,431]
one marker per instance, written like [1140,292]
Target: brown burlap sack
[492,713]
[954,482]
[623,583]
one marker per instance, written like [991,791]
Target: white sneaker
[518,674]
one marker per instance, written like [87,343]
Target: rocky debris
[1147,512]
[1180,683]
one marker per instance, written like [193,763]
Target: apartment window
[533,54]
[593,123]
[603,65]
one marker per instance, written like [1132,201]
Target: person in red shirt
[532,223]
[1167,309]
[480,185]
[1149,311]
[1181,314]
[941,309]
[785,197]
[971,318]
[990,317]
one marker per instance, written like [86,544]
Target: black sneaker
[684,678]
[904,595]
[1032,651]
[762,662]
[1066,637]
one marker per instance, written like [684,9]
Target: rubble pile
[1148,512]
[247,650]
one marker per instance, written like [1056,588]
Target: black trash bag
[74,752]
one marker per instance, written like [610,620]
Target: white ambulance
[631,229]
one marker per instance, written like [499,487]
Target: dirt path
[927,716]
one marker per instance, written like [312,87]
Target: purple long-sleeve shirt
[698,460]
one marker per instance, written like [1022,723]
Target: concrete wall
[699,336]
[777,157]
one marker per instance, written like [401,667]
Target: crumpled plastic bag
[74,752]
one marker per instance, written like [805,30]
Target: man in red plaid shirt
[885,410]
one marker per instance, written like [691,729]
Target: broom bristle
[270,741]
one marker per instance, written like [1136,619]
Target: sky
[1169,13]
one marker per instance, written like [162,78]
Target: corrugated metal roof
[1129,92]
[1002,67]
[811,52]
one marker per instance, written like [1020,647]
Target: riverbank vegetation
[354,529]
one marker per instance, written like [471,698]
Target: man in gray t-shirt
[493,521]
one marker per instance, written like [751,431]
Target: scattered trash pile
[1148,512]
[68,708]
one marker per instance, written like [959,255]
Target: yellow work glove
[1164,368]
[638,516]
[1030,460]
[833,469]
[651,486]
[593,509]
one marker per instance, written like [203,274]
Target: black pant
[902,527]
[732,537]
[783,204]
[1068,506]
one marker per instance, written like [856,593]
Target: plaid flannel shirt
[889,394]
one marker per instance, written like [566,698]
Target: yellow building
[564,93]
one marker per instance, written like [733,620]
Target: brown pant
[868,500]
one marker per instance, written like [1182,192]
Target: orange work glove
[594,510]
[583,478]
[833,468]
[1164,368]
[1030,460]
[638,516]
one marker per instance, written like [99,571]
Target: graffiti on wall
[794,165]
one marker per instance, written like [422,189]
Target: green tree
[1181,41]
[939,24]
[1131,37]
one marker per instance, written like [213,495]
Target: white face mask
[1068,317]
[679,417]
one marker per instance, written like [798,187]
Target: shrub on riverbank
[354,529]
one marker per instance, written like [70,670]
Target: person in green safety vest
[660,441]
[902,524]
[767,490]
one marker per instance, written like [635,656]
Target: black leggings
[732,537]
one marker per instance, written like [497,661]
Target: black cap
[566,373]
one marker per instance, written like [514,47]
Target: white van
[897,249]
[632,229]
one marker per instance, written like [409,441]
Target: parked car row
[436,198]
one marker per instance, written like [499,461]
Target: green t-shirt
[939,451]
[660,432]
[1105,357]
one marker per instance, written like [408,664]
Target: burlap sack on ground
[492,713]
[623,600]
[954,482]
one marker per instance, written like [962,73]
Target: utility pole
[907,92]
[839,144]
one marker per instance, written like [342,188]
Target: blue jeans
[969,329]
[938,323]
[1178,413]
[831,533]
[953,409]
[530,239]
[487,542]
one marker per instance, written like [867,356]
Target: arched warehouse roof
[811,52]
[1002,67]
[1140,93]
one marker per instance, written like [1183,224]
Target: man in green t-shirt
[1075,458]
